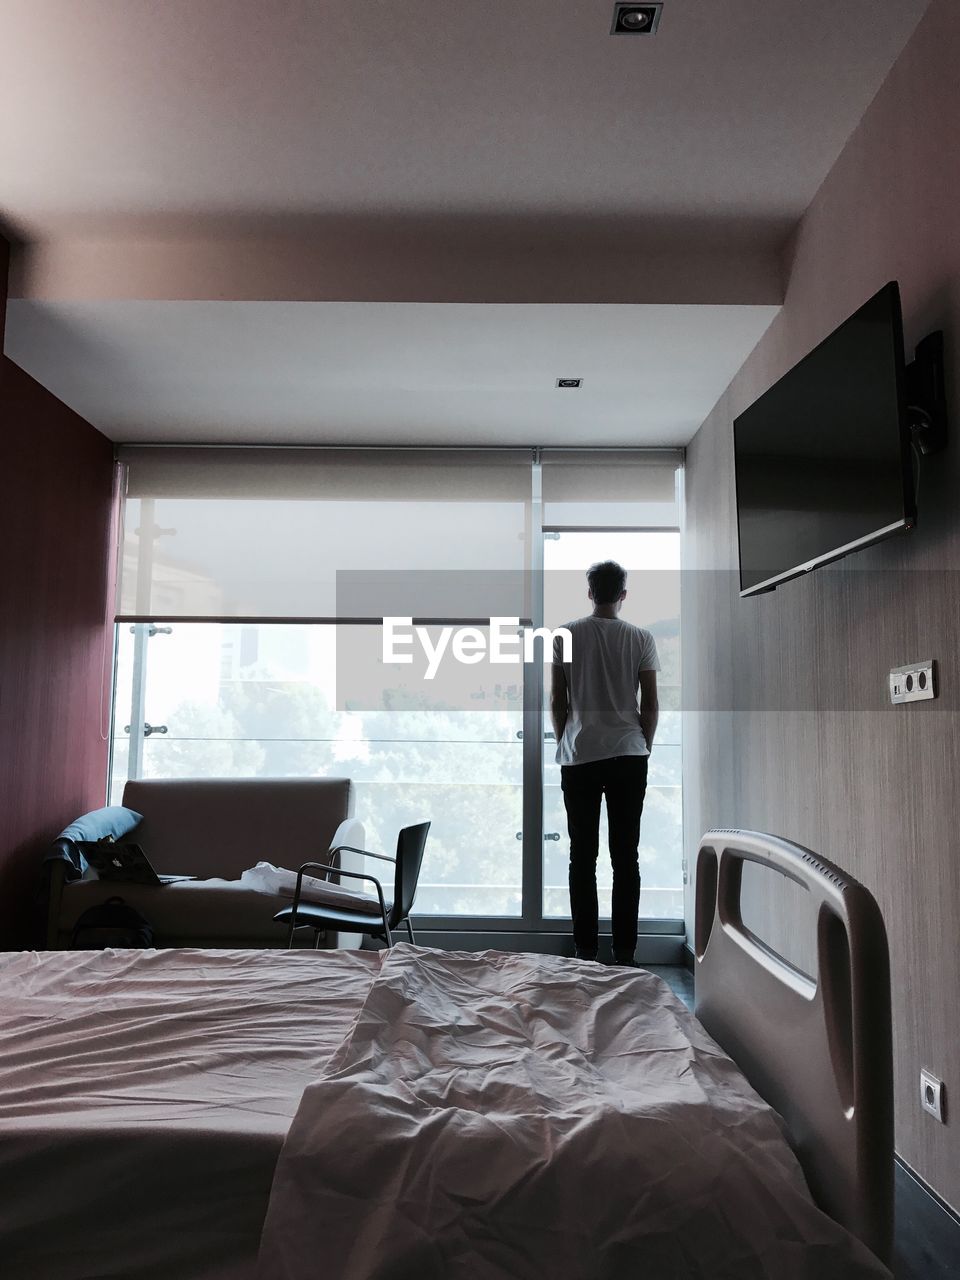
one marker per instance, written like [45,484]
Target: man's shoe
[585,955]
[626,962]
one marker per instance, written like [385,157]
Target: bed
[225,1115]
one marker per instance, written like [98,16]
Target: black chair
[374,916]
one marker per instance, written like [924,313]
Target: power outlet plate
[932,1094]
[914,682]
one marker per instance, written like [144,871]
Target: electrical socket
[932,1094]
[914,682]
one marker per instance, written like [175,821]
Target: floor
[927,1236]
[927,1244]
[676,977]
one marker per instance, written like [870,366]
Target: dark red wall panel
[56,508]
[4,268]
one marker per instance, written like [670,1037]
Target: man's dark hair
[607,581]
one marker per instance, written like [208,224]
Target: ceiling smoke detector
[635,19]
[569,382]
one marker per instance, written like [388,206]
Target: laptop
[123,862]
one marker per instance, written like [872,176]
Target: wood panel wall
[56,475]
[788,728]
[4,277]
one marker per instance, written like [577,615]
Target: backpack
[111,924]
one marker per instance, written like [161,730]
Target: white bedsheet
[515,1117]
[144,1099]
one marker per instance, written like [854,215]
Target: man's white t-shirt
[603,717]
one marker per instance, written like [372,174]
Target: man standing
[603,746]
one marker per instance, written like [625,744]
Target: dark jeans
[623,780]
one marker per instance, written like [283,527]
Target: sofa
[212,828]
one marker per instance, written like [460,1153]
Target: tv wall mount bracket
[926,396]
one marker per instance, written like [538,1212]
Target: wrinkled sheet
[144,1099]
[505,1117]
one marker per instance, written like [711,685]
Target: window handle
[148,729]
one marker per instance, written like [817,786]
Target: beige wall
[788,729]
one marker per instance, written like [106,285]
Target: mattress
[444,1116]
[145,1097]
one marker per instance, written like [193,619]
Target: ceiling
[179,153]
[146,109]
[385,373]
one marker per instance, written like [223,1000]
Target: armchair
[344,909]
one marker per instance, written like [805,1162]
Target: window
[251,594]
[212,714]
[652,561]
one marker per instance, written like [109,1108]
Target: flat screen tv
[823,459]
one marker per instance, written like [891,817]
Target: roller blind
[315,533]
[610,487]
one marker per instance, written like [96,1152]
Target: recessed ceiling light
[569,382]
[635,19]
